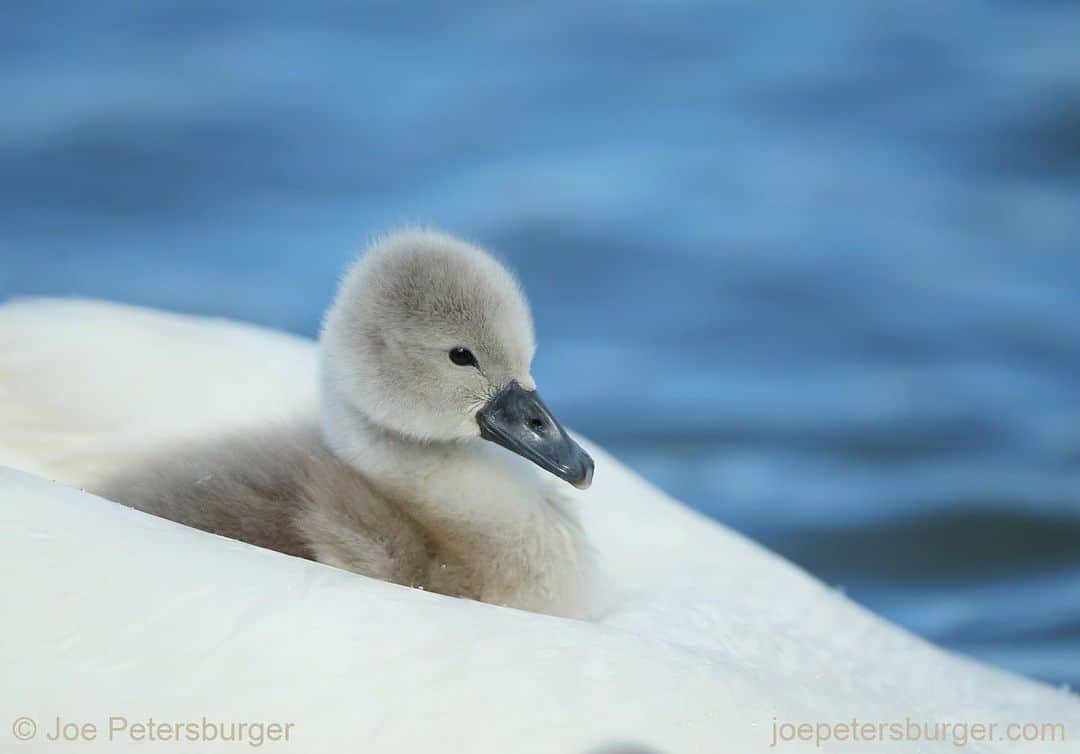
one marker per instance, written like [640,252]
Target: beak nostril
[536,425]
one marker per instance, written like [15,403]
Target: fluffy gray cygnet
[424,465]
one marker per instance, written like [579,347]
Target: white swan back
[705,641]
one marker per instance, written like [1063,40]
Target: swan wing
[88,386]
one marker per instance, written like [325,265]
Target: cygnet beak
[518,420]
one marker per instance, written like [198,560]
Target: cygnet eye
[463,357]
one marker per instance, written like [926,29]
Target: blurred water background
[812,268]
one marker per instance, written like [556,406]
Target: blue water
[813,268]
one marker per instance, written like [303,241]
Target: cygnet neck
[491,510]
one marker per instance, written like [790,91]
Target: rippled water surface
[814,270]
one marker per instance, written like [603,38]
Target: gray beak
[518,420]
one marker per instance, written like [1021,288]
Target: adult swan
[697,640]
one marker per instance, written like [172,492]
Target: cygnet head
[431,338]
